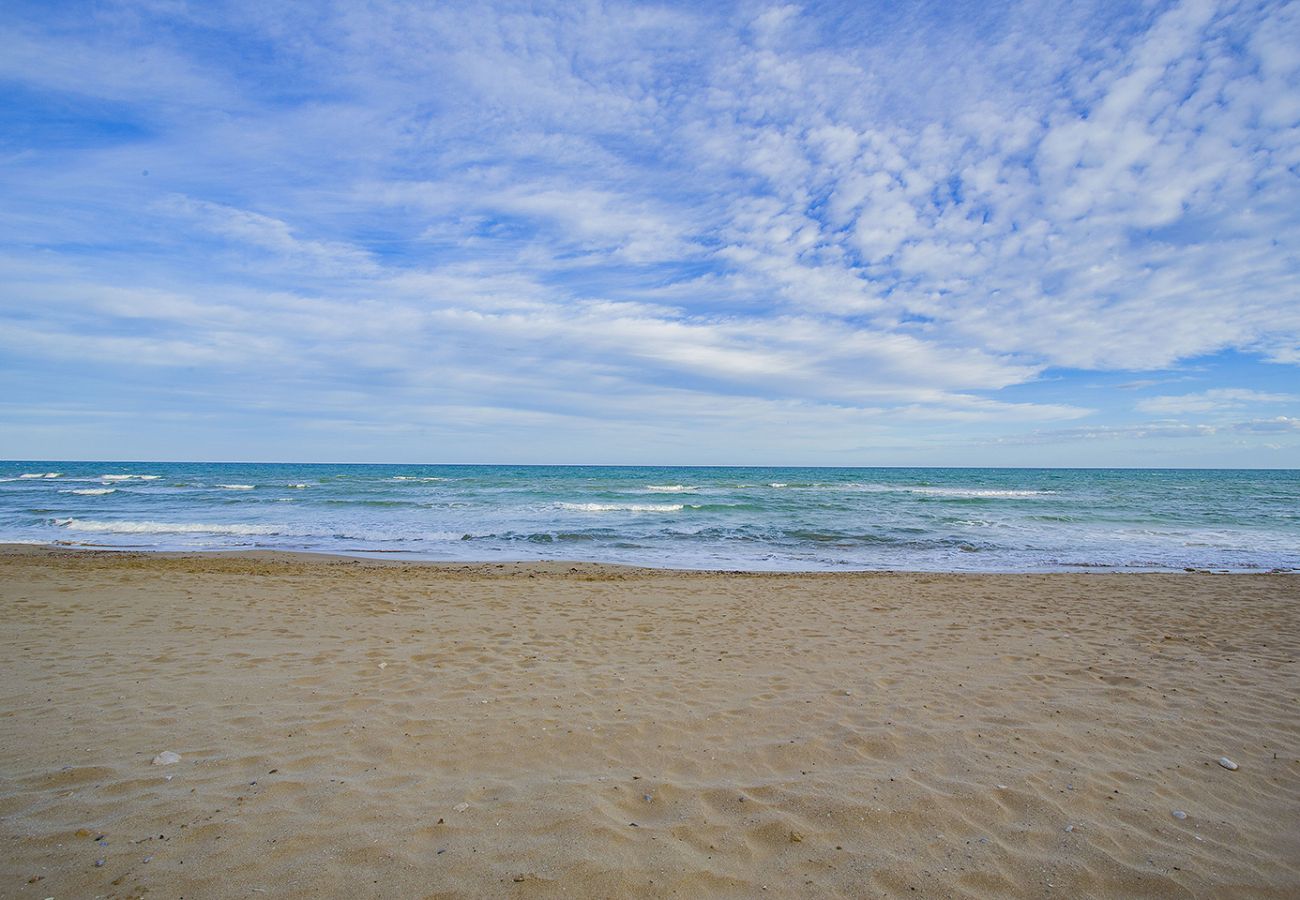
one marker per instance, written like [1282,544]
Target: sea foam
[621,507]
[974,493]
[163,527]
[90,492]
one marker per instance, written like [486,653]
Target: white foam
[969,493]
[163,527]
[621,507]
[129,477]
[235,487]
[40,475]
[90,492]
[777,484]
[416,478]
[670,488]
[974,492]
[297,486]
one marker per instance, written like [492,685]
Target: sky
[862,233]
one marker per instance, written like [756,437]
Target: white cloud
[902,224]
[1214,400]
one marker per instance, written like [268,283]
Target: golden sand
[359,729]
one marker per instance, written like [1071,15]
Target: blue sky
[834,234]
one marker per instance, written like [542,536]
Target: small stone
[383,665]
[99,863]
[647,798]
[461,807]
[1179,814]
[166,758]
[1069,828]
[1228,764]
[1002,787]
[796,837]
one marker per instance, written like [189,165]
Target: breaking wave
[163,527]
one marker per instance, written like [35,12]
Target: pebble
[1179,814]
[461,807]
[1069,828]
[1228,764]
[166,758]
[796,837]
[98,863]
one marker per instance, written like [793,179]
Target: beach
[361,728]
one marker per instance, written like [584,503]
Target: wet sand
[363,729]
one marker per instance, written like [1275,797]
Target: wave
[956,492]
[90,492]
[975,493]
[163,527]
[670,488]
[621,507]
[235,487]
[129,477]
[296,486]
[417,478]
[40,475]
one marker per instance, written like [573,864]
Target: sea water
[923,519]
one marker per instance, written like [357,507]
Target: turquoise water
[718,518]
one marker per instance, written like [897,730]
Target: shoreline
[357,727]
[384,558]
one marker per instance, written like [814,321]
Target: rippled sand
[358,729]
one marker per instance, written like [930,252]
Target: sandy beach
[363,729]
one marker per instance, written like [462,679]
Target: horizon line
[236,462]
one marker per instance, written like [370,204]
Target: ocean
[922,519]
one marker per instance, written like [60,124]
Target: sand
[358,729]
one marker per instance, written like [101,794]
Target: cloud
[1275,425]
[1104,433]
[908,223]
[1213,400]
[1157,431]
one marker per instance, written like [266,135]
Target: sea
[758,519]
